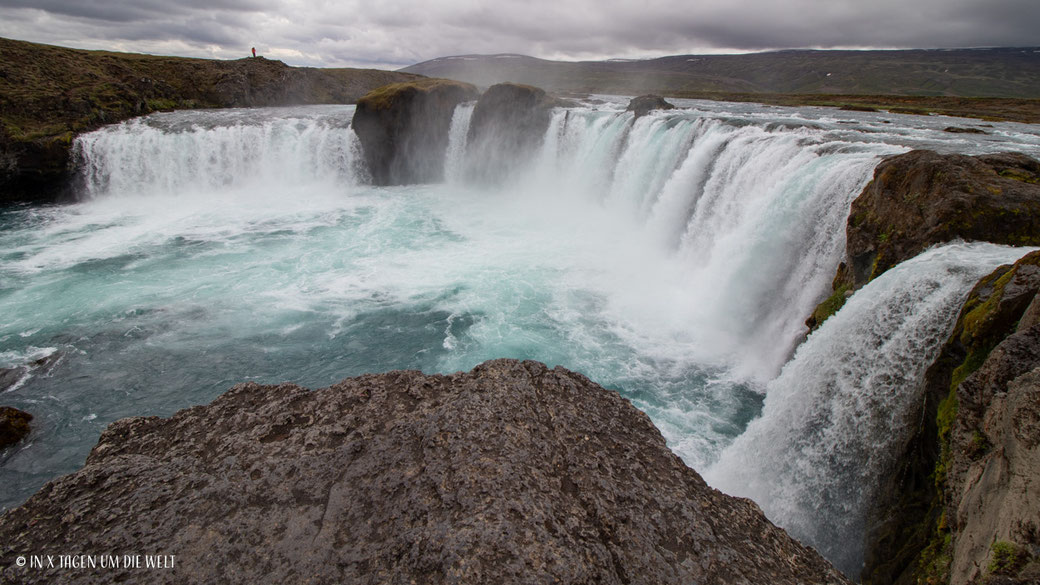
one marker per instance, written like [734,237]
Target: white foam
[835,417]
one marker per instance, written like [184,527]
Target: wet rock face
[508,125]
[923,198]
[403,129]
[511,473]
[963,477]
[14,425]
[643,104]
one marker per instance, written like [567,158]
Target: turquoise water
[153,309]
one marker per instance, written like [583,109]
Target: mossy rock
[826,309]
[922,198]
[403,129]
[397,94]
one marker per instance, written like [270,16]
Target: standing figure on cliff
[254,52]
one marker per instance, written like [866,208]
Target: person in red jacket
[254,51]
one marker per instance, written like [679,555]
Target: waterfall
[211,152]
[673,257]
[454,158]
[756,213]
[837,415]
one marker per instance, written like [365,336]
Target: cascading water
[180,154]
[673,257]
[836,416]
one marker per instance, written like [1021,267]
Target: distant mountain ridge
[996,72]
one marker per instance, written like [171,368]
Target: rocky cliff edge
[510,473]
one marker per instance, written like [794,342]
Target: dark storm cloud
[400,32]
[130,10]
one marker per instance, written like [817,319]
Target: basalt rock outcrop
[508,124]
[511,473]
[922,198]
[967,478]
[403,129]
[14,425]
[644,104]
[49,94]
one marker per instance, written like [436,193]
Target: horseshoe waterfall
[673,257]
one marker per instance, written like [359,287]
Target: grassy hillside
[48,94]
[999,73]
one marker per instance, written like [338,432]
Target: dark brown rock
[643,104]
[511,473]
[923,198]
[960,130]
[403,129]
[14,425]
[507,127]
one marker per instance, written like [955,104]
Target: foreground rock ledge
[511,473]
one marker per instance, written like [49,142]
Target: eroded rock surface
[511,473]
[403,129]
[994,472]
[922,198]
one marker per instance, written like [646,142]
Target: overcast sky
[397,33]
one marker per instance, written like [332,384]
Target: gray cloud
[394,33]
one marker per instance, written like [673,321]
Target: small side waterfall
[455,157]
[835,417]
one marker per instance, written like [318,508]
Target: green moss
[383,98]
[1005,558]
[946,416]
[969,366]
[933,566]
[975,321]
[979,445]
[162,104]
[830,306]
[1019,175]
